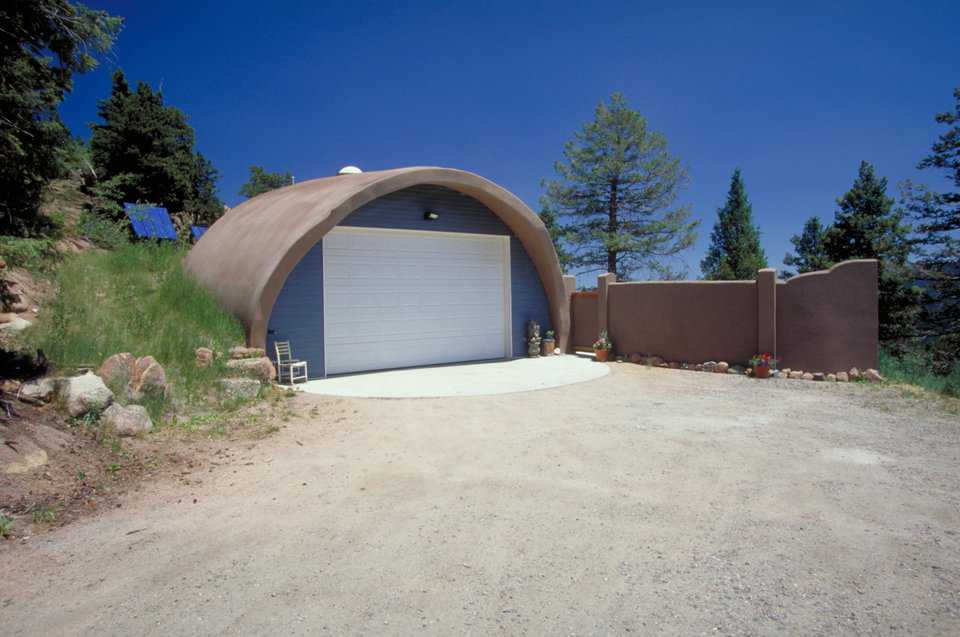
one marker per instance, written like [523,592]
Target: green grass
[136,299]
[6,525]
[32,254]
[913,368]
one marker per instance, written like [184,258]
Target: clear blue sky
[795,94]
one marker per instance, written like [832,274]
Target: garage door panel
[397,299]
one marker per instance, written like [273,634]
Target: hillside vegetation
[136,299]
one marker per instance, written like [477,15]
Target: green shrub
[915,366]
[32,254]
[103,231]
[136,299]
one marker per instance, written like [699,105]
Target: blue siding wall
[298,313]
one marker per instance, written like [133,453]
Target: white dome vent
[349,170]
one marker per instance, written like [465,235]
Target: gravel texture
[647,501]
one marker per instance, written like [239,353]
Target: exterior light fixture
[431,216]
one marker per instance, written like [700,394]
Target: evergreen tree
[144,152]
[811,249]
[867,226]
[735,251]
[203,207]
[613,197]
[43,43]
[549,218]
[938,219]
[261,181]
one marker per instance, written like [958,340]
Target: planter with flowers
[763,365]
[549,343]
[602,347]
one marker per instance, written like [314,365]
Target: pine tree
[867,226]
[735,251]
[613,197]
[811,249]
[938,218]
[262,181]
[144,152]
[549,218]
[43,44]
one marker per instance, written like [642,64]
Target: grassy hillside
[135,299]
[913,368]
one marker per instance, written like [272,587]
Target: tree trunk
[613,226]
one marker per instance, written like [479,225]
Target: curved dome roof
[245,257]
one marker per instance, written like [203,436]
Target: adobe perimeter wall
[829,320]
[822,321]
[684,320]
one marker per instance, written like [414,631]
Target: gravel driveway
[646,501]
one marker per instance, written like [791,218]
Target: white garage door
[400,298]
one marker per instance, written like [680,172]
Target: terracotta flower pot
[761,372]
[602,354]
[548,346]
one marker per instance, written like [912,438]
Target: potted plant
[602,347]
[549,343]
[762,365]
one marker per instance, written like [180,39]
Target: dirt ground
[647,501]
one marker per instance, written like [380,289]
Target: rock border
[723,367]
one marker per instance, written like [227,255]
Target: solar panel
[197,232]
[150,222]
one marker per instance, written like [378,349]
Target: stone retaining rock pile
[251,362]
[138,377]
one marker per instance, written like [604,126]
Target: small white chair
[294,369]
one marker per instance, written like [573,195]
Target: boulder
[21,455]
[653,361]
[636,358]
[204,357]
[832,378]
[807,376]
[37,392]
[795,374]
[786,371]
[818,376]
[127,421]
[673,365]
[854,373]
[698,367]
[259,368]
[722,367]
[239,388]
[138,377]
[117,370]
[14,324]
[239,352]
[873,376]
[842,377]
[709,366]
[19,305]
[83,394]
[148,379]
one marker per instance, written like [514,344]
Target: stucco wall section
[584,324]
[829,320]
[823,321]
[690,321]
